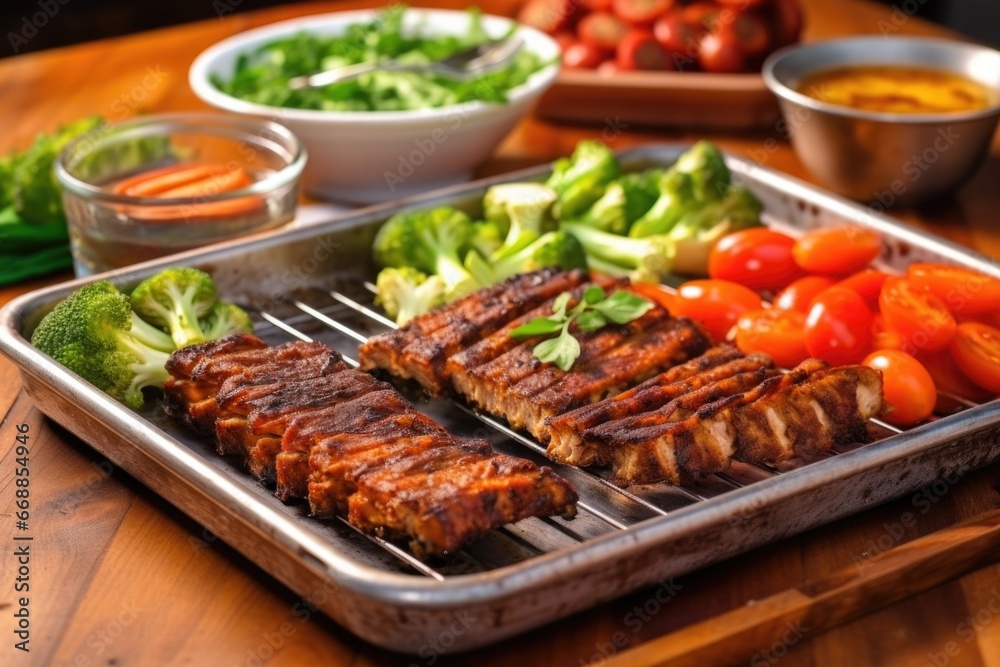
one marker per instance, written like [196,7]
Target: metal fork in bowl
[460,66]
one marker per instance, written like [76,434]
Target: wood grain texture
[113,559]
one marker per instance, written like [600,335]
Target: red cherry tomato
[639,50]
[549,16]
[720,52]
[678,37]
[583,56]
[920,316]
[838,326]
[596,5]
[976,350]
[758,258]
[717,304]
[962,291]
[909,388]
[603,30]
[641,12]
[868,283]
[741,4]
[800,294]
[950,379]
[837,250]
[886,338]
[752,34]
[779,334]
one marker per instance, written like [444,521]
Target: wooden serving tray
[662,99]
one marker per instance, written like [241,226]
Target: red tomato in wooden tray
[724,36]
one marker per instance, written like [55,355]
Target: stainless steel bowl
[886,158]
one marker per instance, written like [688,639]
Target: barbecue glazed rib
[764,424]
[202,373]
[252,422]
[566,444]
[295,412]
[420,349]
[446,504]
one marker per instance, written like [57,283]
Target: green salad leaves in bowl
[385,134]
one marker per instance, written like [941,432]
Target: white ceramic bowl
[372,156]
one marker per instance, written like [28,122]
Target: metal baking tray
[313,283]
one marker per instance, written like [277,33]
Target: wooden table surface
[115,580]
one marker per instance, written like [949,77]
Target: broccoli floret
[35,192]
[650,256]
[95,334]
[698,232]
[405,293]
[624,201]
[487,237]
[431,242]
[176,299]
[554,249]
[525,208]
[677,197]
[708,171]
[224,320]
[580,179]
[8,166]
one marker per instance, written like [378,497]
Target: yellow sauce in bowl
[892,89]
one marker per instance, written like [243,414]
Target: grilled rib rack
[314,284]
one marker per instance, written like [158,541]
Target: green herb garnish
[594,311]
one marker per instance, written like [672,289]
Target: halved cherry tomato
[717,304]
[641,12]
[838,326]
[920,316]
[950,379]
[909,388]
[758,258]
[963,291]
[800,294]
[581,55]
[837,250]
[549,16]
[603,30]
[720,51]
[868,283]
[656,293]
[779,334]
[976,350]
[885,337]
[639,50]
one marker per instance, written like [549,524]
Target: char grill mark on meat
[500,342]
[831,408]
[192,396]
[419,350]
[704,442]
[505,385]
[567,445]
[446,506]
[252,422]
[648,353]
[353,417]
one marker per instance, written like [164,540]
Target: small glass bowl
[109,230]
